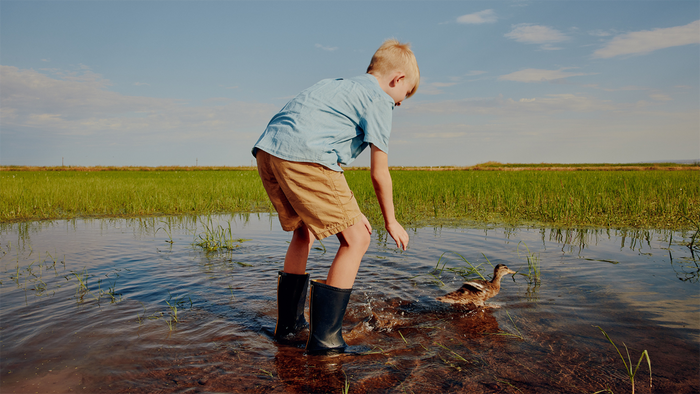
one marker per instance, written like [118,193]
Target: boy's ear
[398,77]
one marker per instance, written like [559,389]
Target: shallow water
[89,306]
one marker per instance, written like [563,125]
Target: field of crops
[649,199]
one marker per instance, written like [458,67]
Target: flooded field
[136,306]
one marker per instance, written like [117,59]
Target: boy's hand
[366,223]
[381,180]
[398,233]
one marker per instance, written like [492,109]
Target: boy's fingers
[404,242]
[368,226]
[401,240]
[399,234]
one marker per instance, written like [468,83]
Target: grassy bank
[654,199]
[651,199]
[30,195]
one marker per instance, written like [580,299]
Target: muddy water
[113,306]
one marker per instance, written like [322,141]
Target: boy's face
[399,90]
[397,86]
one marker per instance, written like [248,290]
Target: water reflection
[117,305]
[686,268]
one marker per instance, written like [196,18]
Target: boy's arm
[381,180]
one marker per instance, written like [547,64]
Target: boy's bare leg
[298,251]
[354,242]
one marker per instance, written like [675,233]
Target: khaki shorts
[308,193]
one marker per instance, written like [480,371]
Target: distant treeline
[491,165]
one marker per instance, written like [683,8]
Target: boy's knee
[364,239]
[357,237]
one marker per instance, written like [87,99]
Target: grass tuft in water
[533,265]
[218,238]
[454,355]
[168,231]
[346,387]
[694,244]
[467,272]
[173,305]
[402,337]
[82,286]
[631,373]
[533,272]
[111,292]
[519,335]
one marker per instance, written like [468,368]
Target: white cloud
[325,48]
[660,97]
[547,47]
[599,33]
[535,34]
[78,104]
[541,139]
[485,16]
[526,106]
[538,75]
[551,128]
[432,89]
[443,84]
[621,89]
[435,88]
[646,41]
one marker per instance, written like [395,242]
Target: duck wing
[469,292]
[474,287]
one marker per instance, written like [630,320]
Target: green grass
[659,199]
[32,195]
[585,166]
[630,370]
[217,238]
[651,199]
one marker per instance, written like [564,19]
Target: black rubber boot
[327,308]
[291,297]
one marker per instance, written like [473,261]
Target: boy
[299,157]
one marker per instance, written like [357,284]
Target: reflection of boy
[299,157]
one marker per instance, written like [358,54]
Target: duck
[477,291]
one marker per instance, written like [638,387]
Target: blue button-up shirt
[331,123]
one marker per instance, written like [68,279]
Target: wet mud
[415,349]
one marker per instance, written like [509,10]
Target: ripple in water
[111,305]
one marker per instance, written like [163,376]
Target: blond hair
[394,56]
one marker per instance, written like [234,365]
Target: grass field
[659,198]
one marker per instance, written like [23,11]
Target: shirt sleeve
[377,124]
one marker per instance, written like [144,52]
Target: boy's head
[394,56]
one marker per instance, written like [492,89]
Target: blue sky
[193,82]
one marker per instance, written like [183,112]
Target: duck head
[500,271]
